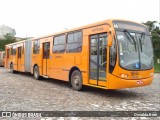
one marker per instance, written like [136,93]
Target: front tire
[76,80]
[36,73]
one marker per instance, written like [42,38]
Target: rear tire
[76,80]
[11,68]
[36,73]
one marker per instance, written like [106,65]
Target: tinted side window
[56,39]
[59,44]
[78,37]
[70,38]
[36,47]
[74,47]
[74,42]
[62,39]
[13,50]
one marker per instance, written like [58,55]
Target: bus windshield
[135,50]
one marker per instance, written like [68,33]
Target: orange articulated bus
[112,54]
[18,56]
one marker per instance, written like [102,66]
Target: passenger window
[70,38]
[74,42]
[56,40]
[62,39]
[59,44]
[36,47]
[13,50]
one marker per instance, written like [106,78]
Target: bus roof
[22,41]
[109,21]
[76,29]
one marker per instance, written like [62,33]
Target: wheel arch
[34,66]
[10,64]
[38,76]
[71,71]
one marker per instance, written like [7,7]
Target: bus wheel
[76,80]
[36,73]
[11,68]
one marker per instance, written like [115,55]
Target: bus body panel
[28,56]
[119,83]
[60,65]
[2,57]
[36,59]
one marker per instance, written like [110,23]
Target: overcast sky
[41,17]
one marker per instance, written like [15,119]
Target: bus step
[45,76]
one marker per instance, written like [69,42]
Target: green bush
[157,68]
[7,39]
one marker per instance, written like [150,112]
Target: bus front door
[98,60]
[46,56]
[19,58]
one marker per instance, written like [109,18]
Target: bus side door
[19,58]
[45,59]
[7,62]
[98,59]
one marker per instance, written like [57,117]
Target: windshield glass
[128,53]
[146,51]
[135,50]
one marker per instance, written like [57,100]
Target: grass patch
[157,68]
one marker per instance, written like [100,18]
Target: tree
[6,39]
[155,33]
[150,25]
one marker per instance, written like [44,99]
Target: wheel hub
[76,79]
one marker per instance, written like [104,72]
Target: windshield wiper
[140,39]
[130,38]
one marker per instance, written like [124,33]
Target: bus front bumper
[119,83]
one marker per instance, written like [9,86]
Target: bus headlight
[151,74]
[124,75]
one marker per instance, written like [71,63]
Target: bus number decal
[97,29]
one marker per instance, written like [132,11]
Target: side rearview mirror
[110,38]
